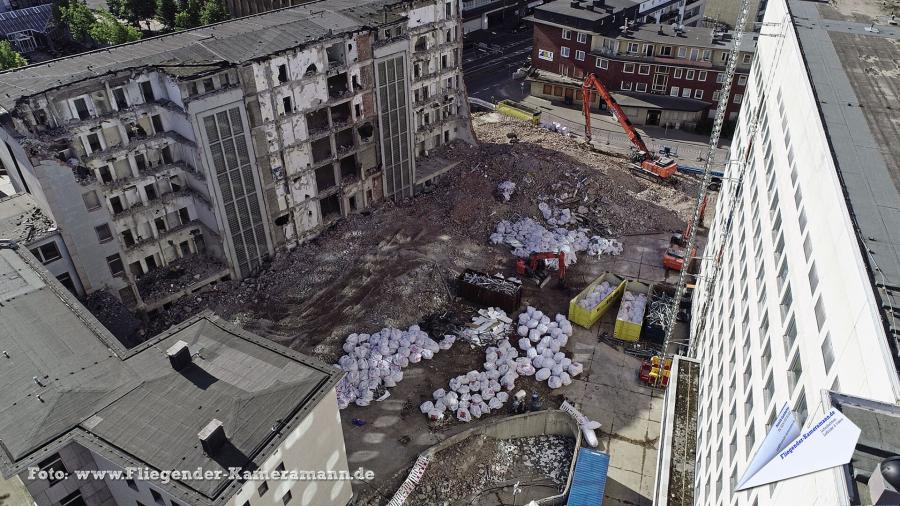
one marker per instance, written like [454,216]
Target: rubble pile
[477,393]
[377,360]
[467,472]
[527,236]
[632,308]
[487,327]
[542,340]
[596,296]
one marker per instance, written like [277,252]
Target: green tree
[213,12]
[77,18]
[166,11]
[116,7]
[110,31]
[136,11]
[189,15]
[10,59]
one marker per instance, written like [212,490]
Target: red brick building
[660,74]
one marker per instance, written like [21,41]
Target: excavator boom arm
[592,83]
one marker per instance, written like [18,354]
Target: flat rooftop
[227,43]
[22,220]
[67,379]
[856,81]
[879,439]
[692,36]
[676,461]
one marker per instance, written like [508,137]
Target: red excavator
[537,269]
[658,168]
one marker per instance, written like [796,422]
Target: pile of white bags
[542,340]
[477,393]
[596,296]
[527,236]
[506,189]
[632,308]
[555,216]
[379,359]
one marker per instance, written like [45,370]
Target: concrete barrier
[538,423]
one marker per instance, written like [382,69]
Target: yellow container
[626,330]
[517,110]
[588,317]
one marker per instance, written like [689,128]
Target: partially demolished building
[176,161]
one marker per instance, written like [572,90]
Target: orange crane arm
[590,83]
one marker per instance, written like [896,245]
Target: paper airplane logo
[789,451]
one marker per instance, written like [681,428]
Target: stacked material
[632,308]
[555,216]
[659,312]
[596,295]
[377,360]
[487,327]
[527,236]
[477,393]
[506,189]
[542,340]
[496,283]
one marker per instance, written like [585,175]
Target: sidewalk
[686,147]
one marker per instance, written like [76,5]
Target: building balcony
[190,227]
[130,112]
[150,171]
[141,208]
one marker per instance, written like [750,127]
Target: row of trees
[170,13]
[105,27]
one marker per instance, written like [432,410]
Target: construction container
[516,110]
[626,330]
[588,317]
[486,297]
[653,332]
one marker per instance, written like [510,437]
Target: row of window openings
[693,54]
[129,238]
[111,172]
[121,100]
[92,142]
[117,267]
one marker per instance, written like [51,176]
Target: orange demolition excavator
[537,269]
[673,258]
[658,168]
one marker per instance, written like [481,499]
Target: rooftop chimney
[212,436]
[179,355]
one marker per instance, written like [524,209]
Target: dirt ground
[396,265]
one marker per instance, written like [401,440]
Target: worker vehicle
[660,168]
[536,267]
[673,258]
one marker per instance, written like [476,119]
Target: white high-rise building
[798,294]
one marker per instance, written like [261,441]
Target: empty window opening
[116,204]
[147,91]
[311,70]
[321,150]
[340,114]
[349,169]
[82,109]
[166,153]
[335,55]
[337,85]
[184,215]
[344,140]
[121,100]
[150,190]
[93,141]
[105,175]
[421,44]
[128,238]
[331,207]
[366,131]
[325,178]
[288,105]
[157,123]
[160,224]
[282,74]
[317,121]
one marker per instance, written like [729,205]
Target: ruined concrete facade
[172,176]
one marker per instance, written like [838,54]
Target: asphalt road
[488,68]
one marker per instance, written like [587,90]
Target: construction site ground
[396,265]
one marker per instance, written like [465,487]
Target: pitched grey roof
[230,42]
[31,18]
[132,406]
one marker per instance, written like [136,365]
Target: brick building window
[689,74]
[601,63]
[566,34]
[701,76]
[564,51]
[642,87]
[579,55]
[678,73]
[582,38]
[628,68]
[644,70]
[698,93]
[626,85]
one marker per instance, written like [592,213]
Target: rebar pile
[659,311]
[492,283]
